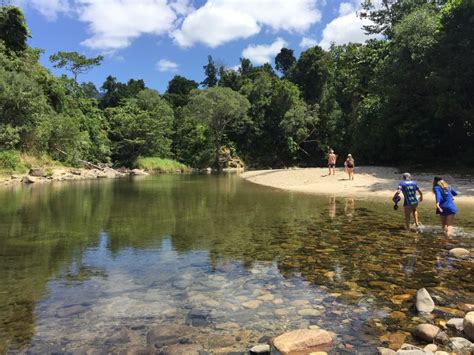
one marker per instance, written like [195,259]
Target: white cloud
[218,22]
[346,28]
[165,65]
[307,42]
[115,23]
[48,8]
[261,54]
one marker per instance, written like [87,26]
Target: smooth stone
[424,302]
[281,312]
[252,304]
[227,326]
[441,353]
[411,352]
[309,312]
[260,349]
[69,311]
[318,353]
[456,323]
[459,253]
[167,335]
[398,315]
[302,339]
[466,307]
[266,297]
[394,340]
[426,332]
[453,311]
[221,340]
[468,325]
[399,299]
[458,343]
[431,347]
[182,349]
[278,301]
[386,351]
[299,303]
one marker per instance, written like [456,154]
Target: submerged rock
[386,351]
[426,332]
[424,302]
[456,323]
[459,253]
[260,349]
[468,325]
[458,343]
[302,339]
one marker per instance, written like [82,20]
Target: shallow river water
[215,264]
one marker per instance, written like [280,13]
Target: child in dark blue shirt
[445,207]
[409,188]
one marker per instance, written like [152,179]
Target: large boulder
[459,253]
[302,339]
[426,332]
[468,325]
[27,179]
[37,172]
[424,302]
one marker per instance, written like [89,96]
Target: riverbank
[40,175]
[368,182]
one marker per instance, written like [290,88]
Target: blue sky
[157,39]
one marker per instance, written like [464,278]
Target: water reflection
[94,260]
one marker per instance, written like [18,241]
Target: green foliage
[74,62]
[13,30]
[140,127]
[159,165]
[178,91]
[285,60]
[210,71]
[10,161]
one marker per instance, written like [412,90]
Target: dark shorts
[332,165]
[446,212]
[350,166]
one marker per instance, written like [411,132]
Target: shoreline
[39,175]
[369,182]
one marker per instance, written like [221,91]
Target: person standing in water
[350,165]
[332,162]
[445,207]
[409,188]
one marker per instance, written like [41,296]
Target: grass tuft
[159,165]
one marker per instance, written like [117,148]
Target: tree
[74,62]
[285,60]
[210,70]
[13,30]
[220,109]
[177,93]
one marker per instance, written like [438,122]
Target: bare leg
[449,225]
[415,216]
[443,223]
[408,210]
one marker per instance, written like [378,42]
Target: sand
[370,182]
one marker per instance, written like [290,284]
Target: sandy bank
[369,182]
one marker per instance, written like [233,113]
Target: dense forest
[405,98]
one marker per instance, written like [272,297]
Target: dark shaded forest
[406,98]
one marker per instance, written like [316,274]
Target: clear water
[217,261]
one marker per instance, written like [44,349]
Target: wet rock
[466,307]
[227,326]
[299,303]
[309,312]
[386,351]
[441,353]
[28,179]
[167,335]
[37,172]
[424,302]
[281,312]
[266,297]
[260,349]
[442,338]
[452,311]
[458,343]
[72,310]
[456,323]
[398,315]
[138,172]
[468,325]
[302,339]
[252,304]
[198,318]
[426,332]
[221,340]
[411,352]
[318,353]
[180,349]
[119,338]
[394,340]
[278,301]
[430,347]
[459,253]
[409,347]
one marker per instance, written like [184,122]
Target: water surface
[219,261]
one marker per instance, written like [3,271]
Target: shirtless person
[332,162]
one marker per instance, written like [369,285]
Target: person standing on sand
[350,165]
[445,207]
[409,188]
[332,162]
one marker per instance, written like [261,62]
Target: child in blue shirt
[445,207]
[409,188]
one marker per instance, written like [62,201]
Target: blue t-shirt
[445,200]
[409,188]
